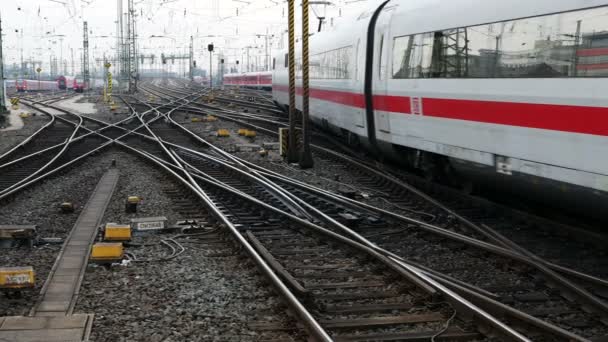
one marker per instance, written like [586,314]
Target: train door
[380,70]
[375,69]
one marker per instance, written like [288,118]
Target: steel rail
[29,138]
[242,194]
[598,303]
[546,268]
[292,205]
[312,326]
[65,147]
[410,273]
[437,282]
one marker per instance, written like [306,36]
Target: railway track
[352,298]
[454,210]
[219,209]
[267,218]
[535,293]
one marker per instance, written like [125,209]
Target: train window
[402,52]
[286,60]
[334,64]
[413,56]
[274,63]
[573,44]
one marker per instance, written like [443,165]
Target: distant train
[34,85]
[259,80]
[65,82]
[80,86]
[500,93]
[201,80]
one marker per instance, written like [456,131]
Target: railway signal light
[210,47]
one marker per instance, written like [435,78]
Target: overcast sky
[41,28]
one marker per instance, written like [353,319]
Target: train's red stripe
[397,104]
[341,97]
[592,66]
[592,52]
[575,119]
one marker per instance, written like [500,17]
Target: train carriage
[65,82]
[512,93]
[35,85]
[258,80]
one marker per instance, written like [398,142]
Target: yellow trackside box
[17,277]
[195,120]
[106,251]
[210,118]
[242,131]
[117,232]
[223,133]
[249,134]
[133,199]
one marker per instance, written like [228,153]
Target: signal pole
[191,58]
[292,152]
[2,95]
[306,161]
[210,48]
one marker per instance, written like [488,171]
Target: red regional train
[259,80]
[34,85]
[66,82]
[508,94]
[80,86]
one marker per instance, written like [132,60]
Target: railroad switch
[17,277]
[117,232]
[67,207]
[131,205]
[107,252]
[223,133]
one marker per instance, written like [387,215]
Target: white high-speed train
[508,93]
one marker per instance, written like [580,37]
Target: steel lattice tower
[85,54]
[131,48]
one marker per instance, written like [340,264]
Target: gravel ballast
[211,292]
[11,138]
[39,205]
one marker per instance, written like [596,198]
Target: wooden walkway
[51,319]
